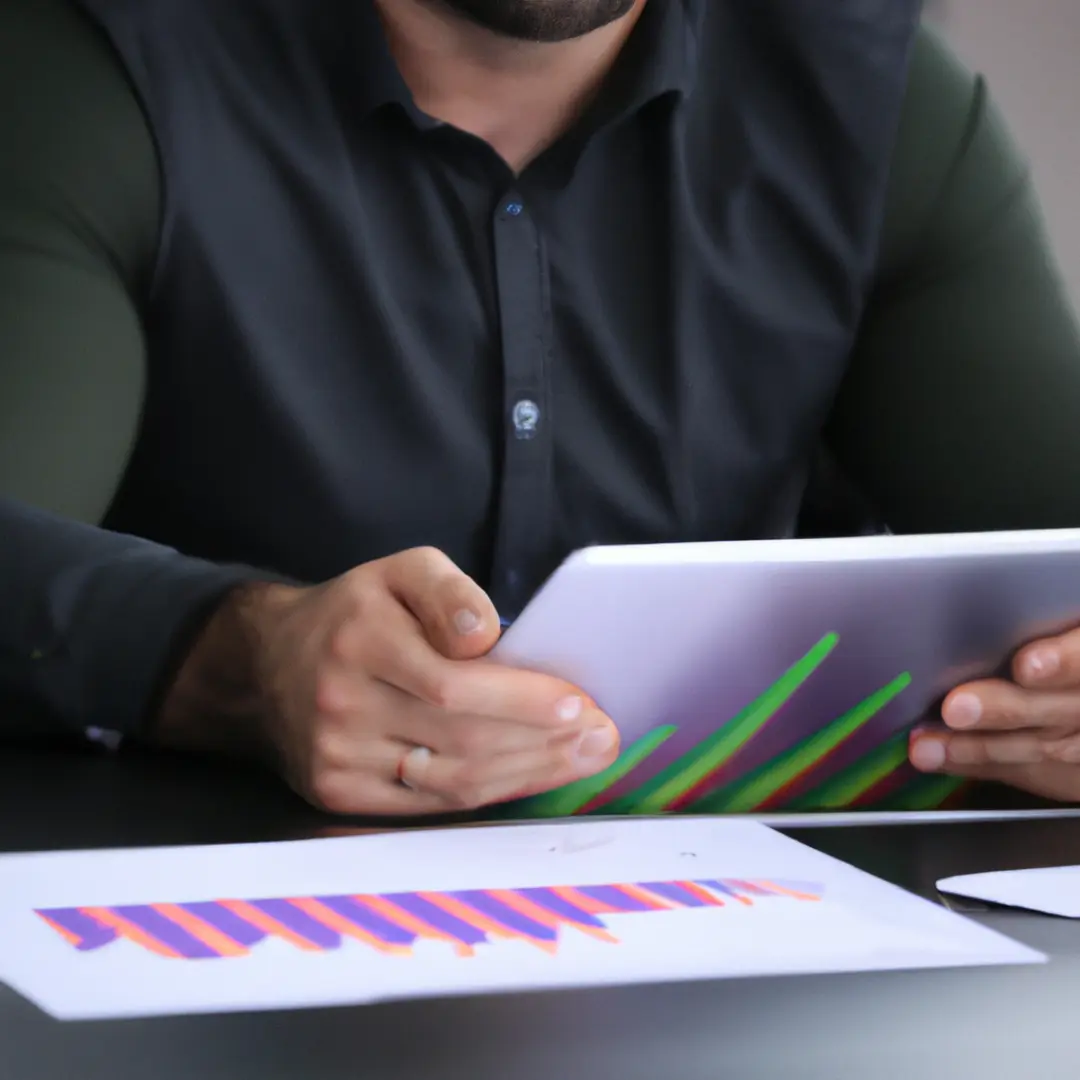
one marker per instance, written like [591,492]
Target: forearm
[93,623]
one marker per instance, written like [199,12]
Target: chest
[636,340]
[680,267]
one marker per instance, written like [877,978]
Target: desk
[986,1023]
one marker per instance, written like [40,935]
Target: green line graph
[692,784]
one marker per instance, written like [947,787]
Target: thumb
[456,615]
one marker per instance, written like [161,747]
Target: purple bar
[507,916]
[91,933]
[676,894]
[228,922]
[737,887]
[166,931]
[359,914]
[549,901]
[719,887]
[299,922]
[614,897]
[434,916]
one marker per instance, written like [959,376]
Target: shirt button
[514,209]
[526,417]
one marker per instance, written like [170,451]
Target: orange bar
[636,892]
[735,884]
[413,923]
[209,935]
[524,906]
[132,932]
[788,892]
[269,925]
[580,900]
[481,921]
[330,918]
[701,893]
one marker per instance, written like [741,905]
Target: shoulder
[954,160]
[77,158]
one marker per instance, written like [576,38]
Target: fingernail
[569,708]
[467,622]
[928,755]
[1042,664]
[597,743]
[963,711]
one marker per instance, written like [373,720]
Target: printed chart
[91,935]
[392,923]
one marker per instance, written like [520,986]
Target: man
[427,293]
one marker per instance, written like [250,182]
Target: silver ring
[418,756]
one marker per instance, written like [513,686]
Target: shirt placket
[526,492]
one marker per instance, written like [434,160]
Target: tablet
[784,675]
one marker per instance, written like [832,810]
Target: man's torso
[365,334]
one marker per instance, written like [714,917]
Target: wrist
[220,699]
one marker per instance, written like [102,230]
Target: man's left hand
[1025,733]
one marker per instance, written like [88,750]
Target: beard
[541,20]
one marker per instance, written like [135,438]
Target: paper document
[1053,890]
[449,912]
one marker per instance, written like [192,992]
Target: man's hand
[1025,733]
[372,694]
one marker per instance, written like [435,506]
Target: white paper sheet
[390,916]
[1053,890]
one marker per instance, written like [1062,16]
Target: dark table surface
[987,1023]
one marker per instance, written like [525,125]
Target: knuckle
[427,557]
[329,695]
[566,765]
[364,589]
[331,749]
[966,750]
[440,689]
[343,640]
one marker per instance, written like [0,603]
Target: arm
[90,622]
[961,408]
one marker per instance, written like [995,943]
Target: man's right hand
[373,694]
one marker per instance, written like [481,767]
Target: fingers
[390,639]
[464,783]
[453,762]
[478,688]
[1051,664]
[456,615]
[1048,776]
[997,705]
[399,780]
[963,754]
[405,722]
[347,705]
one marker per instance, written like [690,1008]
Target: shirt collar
[661,56]
[659,59]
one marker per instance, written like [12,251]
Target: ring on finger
[412,765]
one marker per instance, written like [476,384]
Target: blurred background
[1029,51]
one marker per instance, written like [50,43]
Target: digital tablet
[784,675]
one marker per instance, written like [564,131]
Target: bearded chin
[542,20]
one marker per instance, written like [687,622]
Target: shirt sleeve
[961,407]
[90,621]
